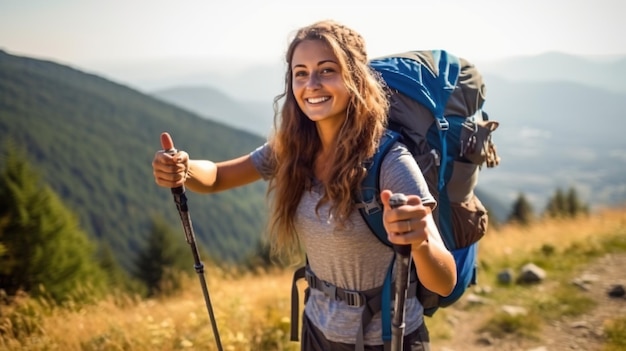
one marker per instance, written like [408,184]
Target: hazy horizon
[89,33]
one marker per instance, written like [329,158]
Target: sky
[90,32]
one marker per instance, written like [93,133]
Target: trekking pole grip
[396,201]
[401,282]
[168,147]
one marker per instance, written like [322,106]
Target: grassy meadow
[252,310]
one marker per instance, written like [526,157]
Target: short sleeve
[262,160]
[400,173]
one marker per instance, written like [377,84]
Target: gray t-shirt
[351,257]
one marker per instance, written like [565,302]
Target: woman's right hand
[170,167]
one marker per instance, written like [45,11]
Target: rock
[617,290]
[506,276]
[483,290]
[474,299]
[484,339]
[514,310]
[579,325]
[531,273]
[585,281]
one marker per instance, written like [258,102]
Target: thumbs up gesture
[169,166]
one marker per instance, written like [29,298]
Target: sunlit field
[252,310]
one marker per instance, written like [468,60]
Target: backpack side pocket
[469,221]
[468,215]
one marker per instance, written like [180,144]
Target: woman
[333,116]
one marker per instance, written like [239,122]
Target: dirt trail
[582,333]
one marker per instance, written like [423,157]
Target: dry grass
[252,311]
[517,241]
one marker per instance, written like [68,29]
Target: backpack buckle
[329,289]
[314,282]
[353,298]
[311,280]
[443,124]
[371,206]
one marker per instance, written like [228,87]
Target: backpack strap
[295,302]
[449,69]
[372,301]
[371,210]
[369,204]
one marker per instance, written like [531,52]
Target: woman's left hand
[406,224]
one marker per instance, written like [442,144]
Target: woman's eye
[299,74]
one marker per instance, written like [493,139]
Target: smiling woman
[332,117]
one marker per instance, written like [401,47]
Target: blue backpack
[436,111]
[436,104]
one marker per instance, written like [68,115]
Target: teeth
[317,100]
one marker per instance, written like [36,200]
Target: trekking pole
[183,210]
[403,261]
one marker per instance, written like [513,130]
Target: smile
[317,100]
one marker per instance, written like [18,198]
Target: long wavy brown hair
[296,142]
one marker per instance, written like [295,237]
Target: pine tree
[557,206]
[45,250]
[161,258]
[565,205]
[522,211]
[116,277]
[575,207]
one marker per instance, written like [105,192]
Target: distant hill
[558,134]
[211,103]
[93,141]
[599,72]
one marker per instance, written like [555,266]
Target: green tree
[45,251]
[557,206]
[522,211]
[565,205]
[162,258]
[117,277]
[575,206]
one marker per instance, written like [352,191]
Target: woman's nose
[314,81]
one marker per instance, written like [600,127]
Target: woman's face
[317,83]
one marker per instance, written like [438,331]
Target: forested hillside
[93,141]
